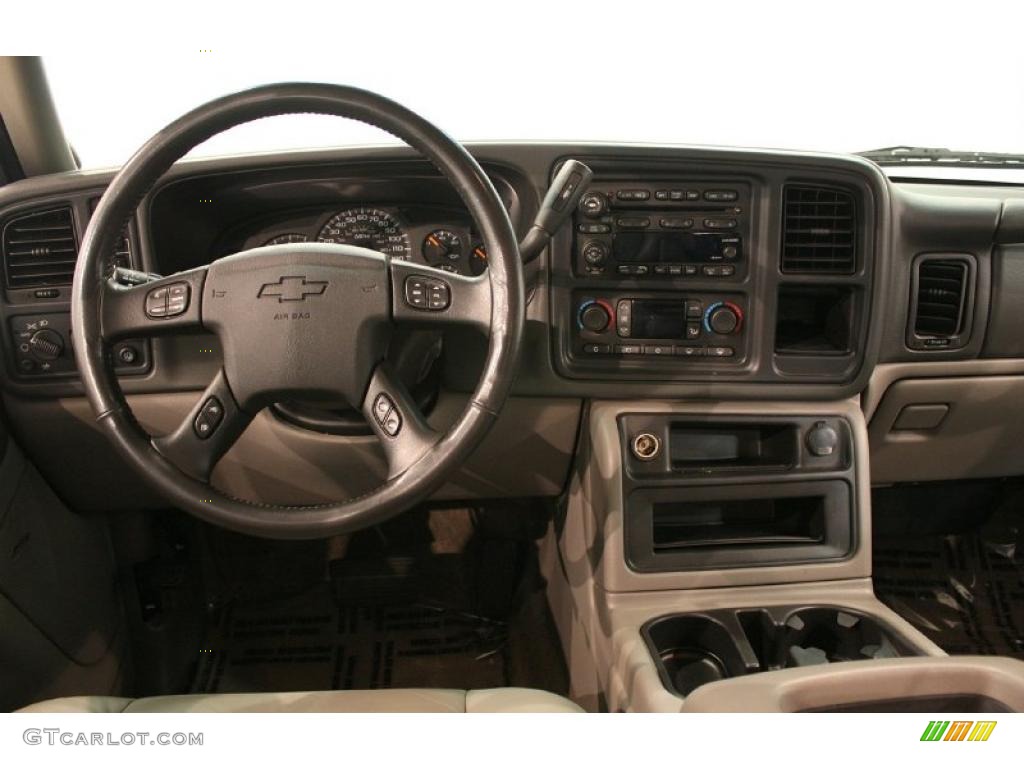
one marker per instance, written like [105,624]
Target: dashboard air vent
[40,248]
[939,306]
[819,231]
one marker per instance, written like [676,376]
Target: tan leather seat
[398,700]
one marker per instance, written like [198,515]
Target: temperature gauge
[478,260]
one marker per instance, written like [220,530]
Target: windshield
[717,77]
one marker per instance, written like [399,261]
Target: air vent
[819,231]
[939,300]
[40,249]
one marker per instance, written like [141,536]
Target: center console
[651,254]
[740,273]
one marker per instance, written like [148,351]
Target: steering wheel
[306,321]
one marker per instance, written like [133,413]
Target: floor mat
[964,591]
[314,643]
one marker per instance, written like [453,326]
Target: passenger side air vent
[819,231]
[939,303]
[40,249]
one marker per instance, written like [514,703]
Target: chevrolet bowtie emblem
[292,289]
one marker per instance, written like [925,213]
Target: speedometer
[368,228]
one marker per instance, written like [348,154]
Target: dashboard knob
[595,254]
[724,319]
[593,205]
[594,317]
[46,344]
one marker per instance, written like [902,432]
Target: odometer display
[368,228]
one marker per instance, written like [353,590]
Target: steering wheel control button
[393,423]
[167,301]
[209,418]
[156,302]
[386,414]
[382,406]
[177,299]
[427,293]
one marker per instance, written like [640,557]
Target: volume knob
[593,204]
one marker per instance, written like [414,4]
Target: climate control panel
[701,325]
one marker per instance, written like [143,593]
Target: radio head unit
[676,230]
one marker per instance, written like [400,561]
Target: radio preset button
[690,269]
[720,223]
[633,194]
[676,223]
[675,269]
[721,195]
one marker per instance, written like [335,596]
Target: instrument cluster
[437,237]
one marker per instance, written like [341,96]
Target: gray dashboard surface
[906,220]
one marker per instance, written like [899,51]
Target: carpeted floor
[963,589]
[313,643]
[423,603]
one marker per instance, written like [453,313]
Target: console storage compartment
[718,526]
[694,649]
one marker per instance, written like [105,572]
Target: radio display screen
[665,247]
[658,319]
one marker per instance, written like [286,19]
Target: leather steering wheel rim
[94,295]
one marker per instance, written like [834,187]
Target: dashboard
[701,274]
[684,272]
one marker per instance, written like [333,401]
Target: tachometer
[287,237]
[367,228]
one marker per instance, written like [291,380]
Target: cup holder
[694,649]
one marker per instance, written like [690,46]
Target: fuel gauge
[442,248]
